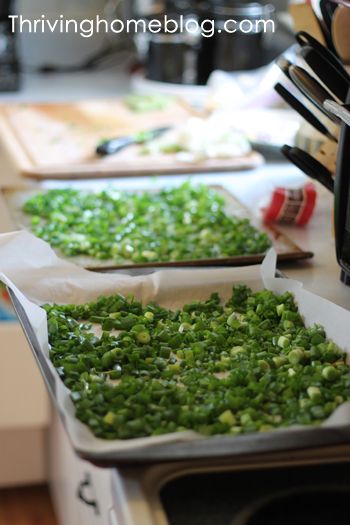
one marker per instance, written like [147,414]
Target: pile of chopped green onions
[249,365]
[183,223]
[145,103]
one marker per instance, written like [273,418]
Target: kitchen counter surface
[320,275]
[39,87]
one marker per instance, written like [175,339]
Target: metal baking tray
[286,248]
[233,449]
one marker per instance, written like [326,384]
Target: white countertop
[320,274]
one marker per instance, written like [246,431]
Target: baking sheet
[35,276]
[14,198]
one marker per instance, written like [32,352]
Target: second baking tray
[286,248]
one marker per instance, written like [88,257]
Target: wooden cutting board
[58,141]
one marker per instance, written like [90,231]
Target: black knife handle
[303,111]
[303,38]
[323,175]
[301,162]
[114,145]
[326,72]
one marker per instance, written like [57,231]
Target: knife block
[342,202]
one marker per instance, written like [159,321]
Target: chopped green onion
[213,368]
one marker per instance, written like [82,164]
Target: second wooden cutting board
[58,141]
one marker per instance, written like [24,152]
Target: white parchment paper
[36,275]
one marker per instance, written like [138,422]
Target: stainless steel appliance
[260,494]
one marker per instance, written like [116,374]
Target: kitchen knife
[341,33]
[109,147]
[325,176]
[284,66]
[326,72]
[303,111]
[346,3]
[339,110]
[303,39]
[312,90]
[327,9]
[309,165]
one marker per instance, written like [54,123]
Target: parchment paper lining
[36,276]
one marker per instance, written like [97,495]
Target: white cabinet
[24,404]
[81,492]
[23,453]
[24,411]
[24,401]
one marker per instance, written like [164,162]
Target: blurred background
[177,59]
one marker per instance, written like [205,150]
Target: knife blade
[311,89]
